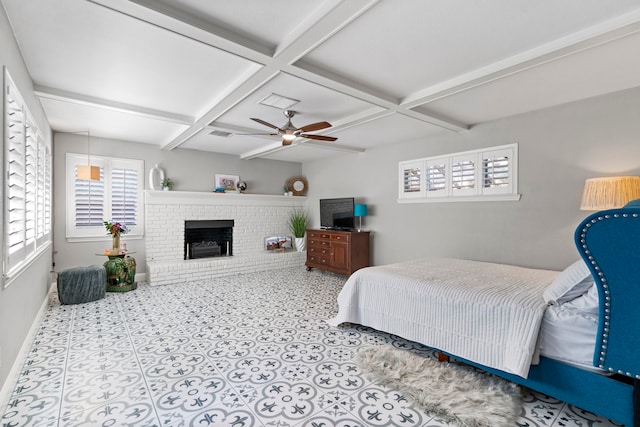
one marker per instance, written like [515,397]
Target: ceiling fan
[289,132]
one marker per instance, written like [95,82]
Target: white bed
[497,315]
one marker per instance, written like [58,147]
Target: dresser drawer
[317,259]
[316,243]
[339,237]
[318,250]
[318,235]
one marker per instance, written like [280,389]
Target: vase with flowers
[115,229]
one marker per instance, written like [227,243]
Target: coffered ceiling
[171,72]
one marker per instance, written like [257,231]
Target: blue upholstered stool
[82,284]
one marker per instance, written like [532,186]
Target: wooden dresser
[341,252]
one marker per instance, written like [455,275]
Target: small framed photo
[228,182]
[277,243]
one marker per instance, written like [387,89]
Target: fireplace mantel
[210,198]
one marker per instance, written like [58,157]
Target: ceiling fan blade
[262,122]
[319,137]
[315,126]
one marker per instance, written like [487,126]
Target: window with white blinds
[117,196]
[436,177]
[27,217]
[487,174]
[411,179]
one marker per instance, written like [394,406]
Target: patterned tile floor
[249,350]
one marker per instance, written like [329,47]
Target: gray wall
[190,170]
[558,149]
[21,301]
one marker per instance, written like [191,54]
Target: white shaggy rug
[456,393]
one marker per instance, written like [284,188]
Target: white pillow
[574,281]
[588,303]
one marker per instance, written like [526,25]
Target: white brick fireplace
[255,217]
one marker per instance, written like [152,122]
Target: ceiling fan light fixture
[288,136]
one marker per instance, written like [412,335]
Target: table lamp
[359,211]
[609,192]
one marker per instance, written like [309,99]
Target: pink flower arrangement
[115,228]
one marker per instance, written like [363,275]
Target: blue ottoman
[82,284]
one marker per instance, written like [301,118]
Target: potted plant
[298,226]
[167,184]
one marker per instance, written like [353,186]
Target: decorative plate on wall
[298,185]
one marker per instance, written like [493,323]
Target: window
[27,225]
[488,174]
[116,196]
[411,179]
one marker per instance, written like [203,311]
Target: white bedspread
[486,313]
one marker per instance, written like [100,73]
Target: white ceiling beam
[246,88]
[106,104]
[333,147]
[193,27]
[327,21]
[571,44]
[277,146]
[263,151]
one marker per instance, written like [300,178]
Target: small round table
[121,271]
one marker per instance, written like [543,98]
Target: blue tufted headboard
[609,242]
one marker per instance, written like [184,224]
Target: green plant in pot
[298,226]
[167,184]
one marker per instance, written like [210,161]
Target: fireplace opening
[208,238]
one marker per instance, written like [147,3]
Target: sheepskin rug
[456,393]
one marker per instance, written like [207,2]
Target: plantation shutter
[89,202]
[117,197]
[26,189]
[436,177]
[488,174]
[463,175]
[497,171]
[411,184]
[47,190]
[31,185]
[41,190]
[124,195]
[16,181]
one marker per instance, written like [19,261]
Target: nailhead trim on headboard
[605,288]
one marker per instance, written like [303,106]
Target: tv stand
[338,251]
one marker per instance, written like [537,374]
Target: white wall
[21,301]
[558,149]
[189,169]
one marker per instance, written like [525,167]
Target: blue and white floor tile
[242,351]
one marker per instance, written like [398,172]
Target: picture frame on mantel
[228,182]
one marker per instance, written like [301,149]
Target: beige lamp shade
[609,192]
[88,172]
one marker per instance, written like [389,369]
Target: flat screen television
[337,213]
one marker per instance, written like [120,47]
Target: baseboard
[18,363]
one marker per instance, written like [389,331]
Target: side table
[121,271]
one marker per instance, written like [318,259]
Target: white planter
[301,244]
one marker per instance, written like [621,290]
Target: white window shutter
[411,179]
[88,201]
[118,196]
[489,174]
[498,171]
[124,187]
[437,177]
